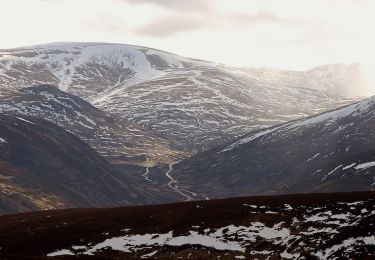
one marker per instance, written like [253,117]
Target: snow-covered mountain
[334,151]
[118,140]
[206,105]
[199,104]
[84,69]
[346,80]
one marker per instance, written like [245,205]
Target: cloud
[174,24]
[106,22]
[177,5]
[262,17]
[170,25]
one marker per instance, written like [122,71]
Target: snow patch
[316,155]
[348,166]
[347,245]
[61,252]
[365,165]
[250,138]
[24,120]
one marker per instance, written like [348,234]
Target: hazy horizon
[163,50]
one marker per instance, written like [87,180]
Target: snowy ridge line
[326,118]
[66,60]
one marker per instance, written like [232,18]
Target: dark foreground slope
[331,152]
[42,166]
[317,226]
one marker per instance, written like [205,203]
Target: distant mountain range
[346,80]
[198,104]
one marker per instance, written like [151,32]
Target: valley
[130,152]
[187,130]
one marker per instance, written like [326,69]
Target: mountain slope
[334,151]
[44,167]
[84,69]
[308,226]
[345,80]
[118,140]
[206,105]
[200,104]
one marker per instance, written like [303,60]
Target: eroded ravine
[173,184]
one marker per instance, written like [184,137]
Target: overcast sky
[293,34]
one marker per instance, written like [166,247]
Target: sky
[291,34]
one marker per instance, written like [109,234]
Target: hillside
[334,151]
[119,140]
[44,167]
[312,226]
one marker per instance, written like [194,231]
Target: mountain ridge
[332,151]
[120,141]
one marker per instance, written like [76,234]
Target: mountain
[84,69]
[118,140]
[302,226]
[206,105]
[345,80]
[198,104]
[334,151]
[44,167]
